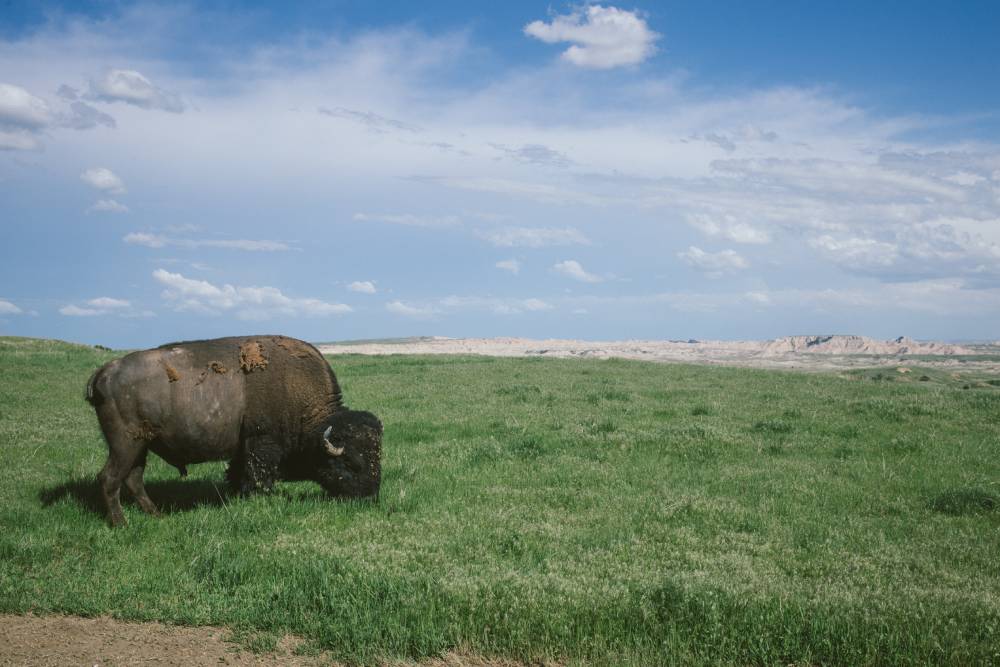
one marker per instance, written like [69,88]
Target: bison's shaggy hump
[252,356]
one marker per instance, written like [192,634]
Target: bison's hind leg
[126,453]
[133,482]
[123,465]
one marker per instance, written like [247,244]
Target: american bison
[269,405]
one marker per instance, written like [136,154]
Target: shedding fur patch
[252,357]
[172,374]
[142,431]
[219,368]
[294,348]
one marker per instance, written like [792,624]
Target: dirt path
[68,640]
[62,641]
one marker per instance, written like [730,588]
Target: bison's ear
[330,448]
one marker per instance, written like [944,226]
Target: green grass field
[596,512]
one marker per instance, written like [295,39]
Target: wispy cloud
[21,109]
[572,269]
[534,154]
[131,87]
[103,179]
[511,265]
[495,305]
[363,286]
[714,264]
[25,118]
[407,310]
[160,241]
[8,308]
[370,119]
[729,227]
[601,37]
[103,305]
[533,237]
[247,303]
[107,206]
[410,219]
[455,303]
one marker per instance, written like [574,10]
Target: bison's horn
[330,449]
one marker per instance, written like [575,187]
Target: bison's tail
[93,396]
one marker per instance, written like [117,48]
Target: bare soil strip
[69,640]
[58,641]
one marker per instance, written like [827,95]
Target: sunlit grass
[605,512]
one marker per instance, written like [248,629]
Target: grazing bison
[270,405]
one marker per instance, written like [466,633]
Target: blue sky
[599,171]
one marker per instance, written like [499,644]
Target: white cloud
[542,192]
[107,206]
[131,87]
[82,116]
[8,308]
[511,265]
[160,241]
[498,306]
[108,303]
[713,264]
[23,117]
[456,303]
[148,240]
[102,305]
[534,154]
[248,303]
[103,179]
[601,37]
[363,286]
[965,179]
[759,298]
[400,308]
[536,304]
[76,311]
[574,270]
[410,220]
[373,121]
[21,109]
[533,237]
[18,140]
[856,253]
[936,297]
[728,227]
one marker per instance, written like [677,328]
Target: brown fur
[143,431]
[172,374]
[298,351]
[218,367]
[252,356]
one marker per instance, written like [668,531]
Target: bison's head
[351,461]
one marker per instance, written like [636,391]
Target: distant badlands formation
[790,351]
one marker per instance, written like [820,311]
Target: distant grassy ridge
[596,511]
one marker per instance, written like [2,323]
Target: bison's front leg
[255,468]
